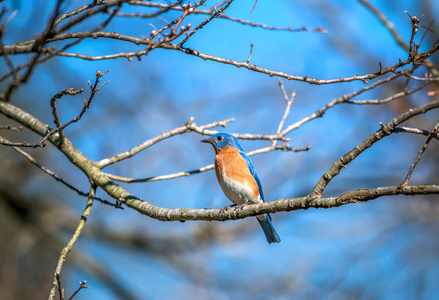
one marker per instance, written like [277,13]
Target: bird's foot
[229,206]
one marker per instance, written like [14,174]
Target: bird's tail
[270,232]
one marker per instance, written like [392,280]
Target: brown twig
[166,45]
[60,289]
[386,130]
[342,99]
[71,92]
[390,98]
[415,25]
[250,54]
[202,24]
[189,126]
[5,142]
[10,127]
[283,147]
[82,285]
[8,60]
[26,47]
[364,78]
[59,179]
[72,241]
[37,47]
[94,89]
[416,131]
[222,16]
[432,134]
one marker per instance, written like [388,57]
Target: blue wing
[253,172]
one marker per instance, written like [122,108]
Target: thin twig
[8,60]
[390,98]
[59,179]
[72,241]
[386,129]
[165,45]
[82,285]
[416,131]
[50,53]
[10,127]
[60,289]
[202,24]
[161,177]
[5,142]
[342,99]
[37,46]
[288,101]
[283,147]
[415,25]
[222,16]
[250,54]
[71,92]
[189,126]
[364,78]
[420,153]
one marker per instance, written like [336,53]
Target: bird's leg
[249,202]
[229,206]
[226,208]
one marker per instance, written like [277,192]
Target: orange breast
[234,176]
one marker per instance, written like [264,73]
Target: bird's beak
[206,141]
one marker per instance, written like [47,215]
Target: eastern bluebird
[238,179]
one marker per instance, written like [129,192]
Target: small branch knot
[385,128]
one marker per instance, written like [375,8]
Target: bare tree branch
[57,178]
[390,98]
[416,131]
[81,286]
[314,199]
[172,31]
[373,138]
[189,126]
[418,157]
[72,241]
[112,35]
[10,127]
[71,92]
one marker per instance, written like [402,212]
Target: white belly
[237,192]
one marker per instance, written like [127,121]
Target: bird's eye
[219,138]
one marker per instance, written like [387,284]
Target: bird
[238,179]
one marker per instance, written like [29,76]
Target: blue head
[222,140]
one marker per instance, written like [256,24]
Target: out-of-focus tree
[65,145]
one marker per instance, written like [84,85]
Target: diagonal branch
[72,241]
[432,134]
[390,98]
[202,24]
[71,92]
[367,143]
[283,147]
[416,131]
[59,179]
[189,126]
